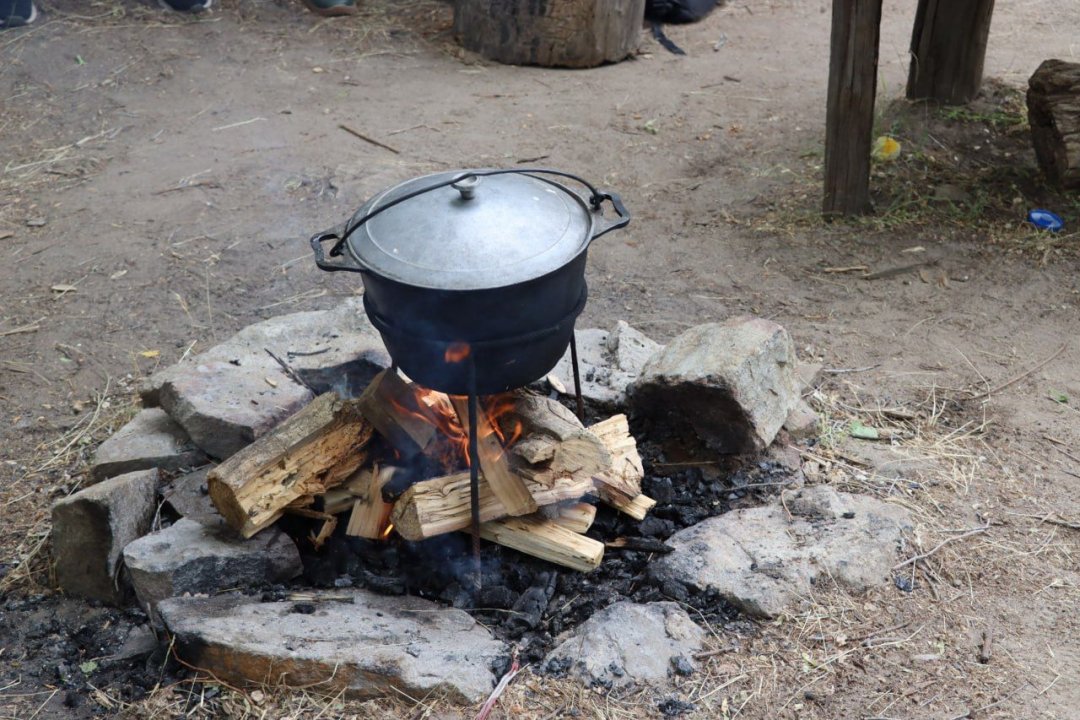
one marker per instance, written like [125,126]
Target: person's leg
[186,5]
[14,13]
[331,7]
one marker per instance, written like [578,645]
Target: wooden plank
[316,449]
[948,50]
[849,118]
[547,540]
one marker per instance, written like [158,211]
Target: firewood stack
[539,466]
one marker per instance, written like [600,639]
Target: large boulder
[91,528]
[732,384]
[151,440]
[235,392]
[765,559]
[190,557]
[628,642]
[370,645]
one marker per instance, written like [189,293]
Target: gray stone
[190,557]
[234,392]
[151,440]
[91,528]
[764,560]
[189,496]
[802,422]
[627,642]
[374,645]
[731,384]
[809,374]
[609,362]
[140,642]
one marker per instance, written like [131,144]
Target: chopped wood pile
[395,460]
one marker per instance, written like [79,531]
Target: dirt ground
[161,174]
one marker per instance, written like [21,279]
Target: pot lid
[481,232]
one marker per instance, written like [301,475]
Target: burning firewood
[507,486]
[392,406]
[547,540]
[370,514]
[316,449]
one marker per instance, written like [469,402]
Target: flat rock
[189,496]
[372,646]
[91,528]
[763,561]
[609,361]
[191,557]
[151,440]
[802,422]
[732,384]
[235,392]
[628,643]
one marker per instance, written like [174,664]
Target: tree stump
[948,48]
[551,33]
[1053,100]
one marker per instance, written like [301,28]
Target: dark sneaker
[186,5]
[16,13]
[330,8]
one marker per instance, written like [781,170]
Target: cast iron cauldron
[474,278]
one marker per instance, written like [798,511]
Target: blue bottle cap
[1045,220]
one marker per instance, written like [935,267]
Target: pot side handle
[603,225]
[342,260]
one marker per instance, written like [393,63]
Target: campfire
[398,459]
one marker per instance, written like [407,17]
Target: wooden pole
[948,49]
[849,120]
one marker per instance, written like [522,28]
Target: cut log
[948,50]
[556,33]
[554,444]
[494,463]
[621,486]
[314,450]
[391,405]
[1053,101]
[441,505]
[369,513]
[547,540]
[576,517]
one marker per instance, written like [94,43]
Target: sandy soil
[160,176]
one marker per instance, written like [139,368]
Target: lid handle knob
[467,186]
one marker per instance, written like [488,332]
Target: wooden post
[948,48]
[849,120]
[1053,101]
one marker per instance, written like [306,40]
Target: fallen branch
[943,543]
[365,138]
[1021,376]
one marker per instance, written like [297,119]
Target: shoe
[331,8]
[16,13]
[186,5]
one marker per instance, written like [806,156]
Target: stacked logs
[540,471]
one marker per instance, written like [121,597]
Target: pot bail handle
[344,260]
[604,225]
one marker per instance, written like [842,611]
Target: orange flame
[456,352]
[387,531]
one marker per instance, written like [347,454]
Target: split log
[441,505]
[494,463]
[1053,101]
[390,404]
[370,513]
[556,33]
[547,540]
[554,443]
[620,487]
[314,450]
[576,517]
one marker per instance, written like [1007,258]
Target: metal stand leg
[577,378]
[474,474]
